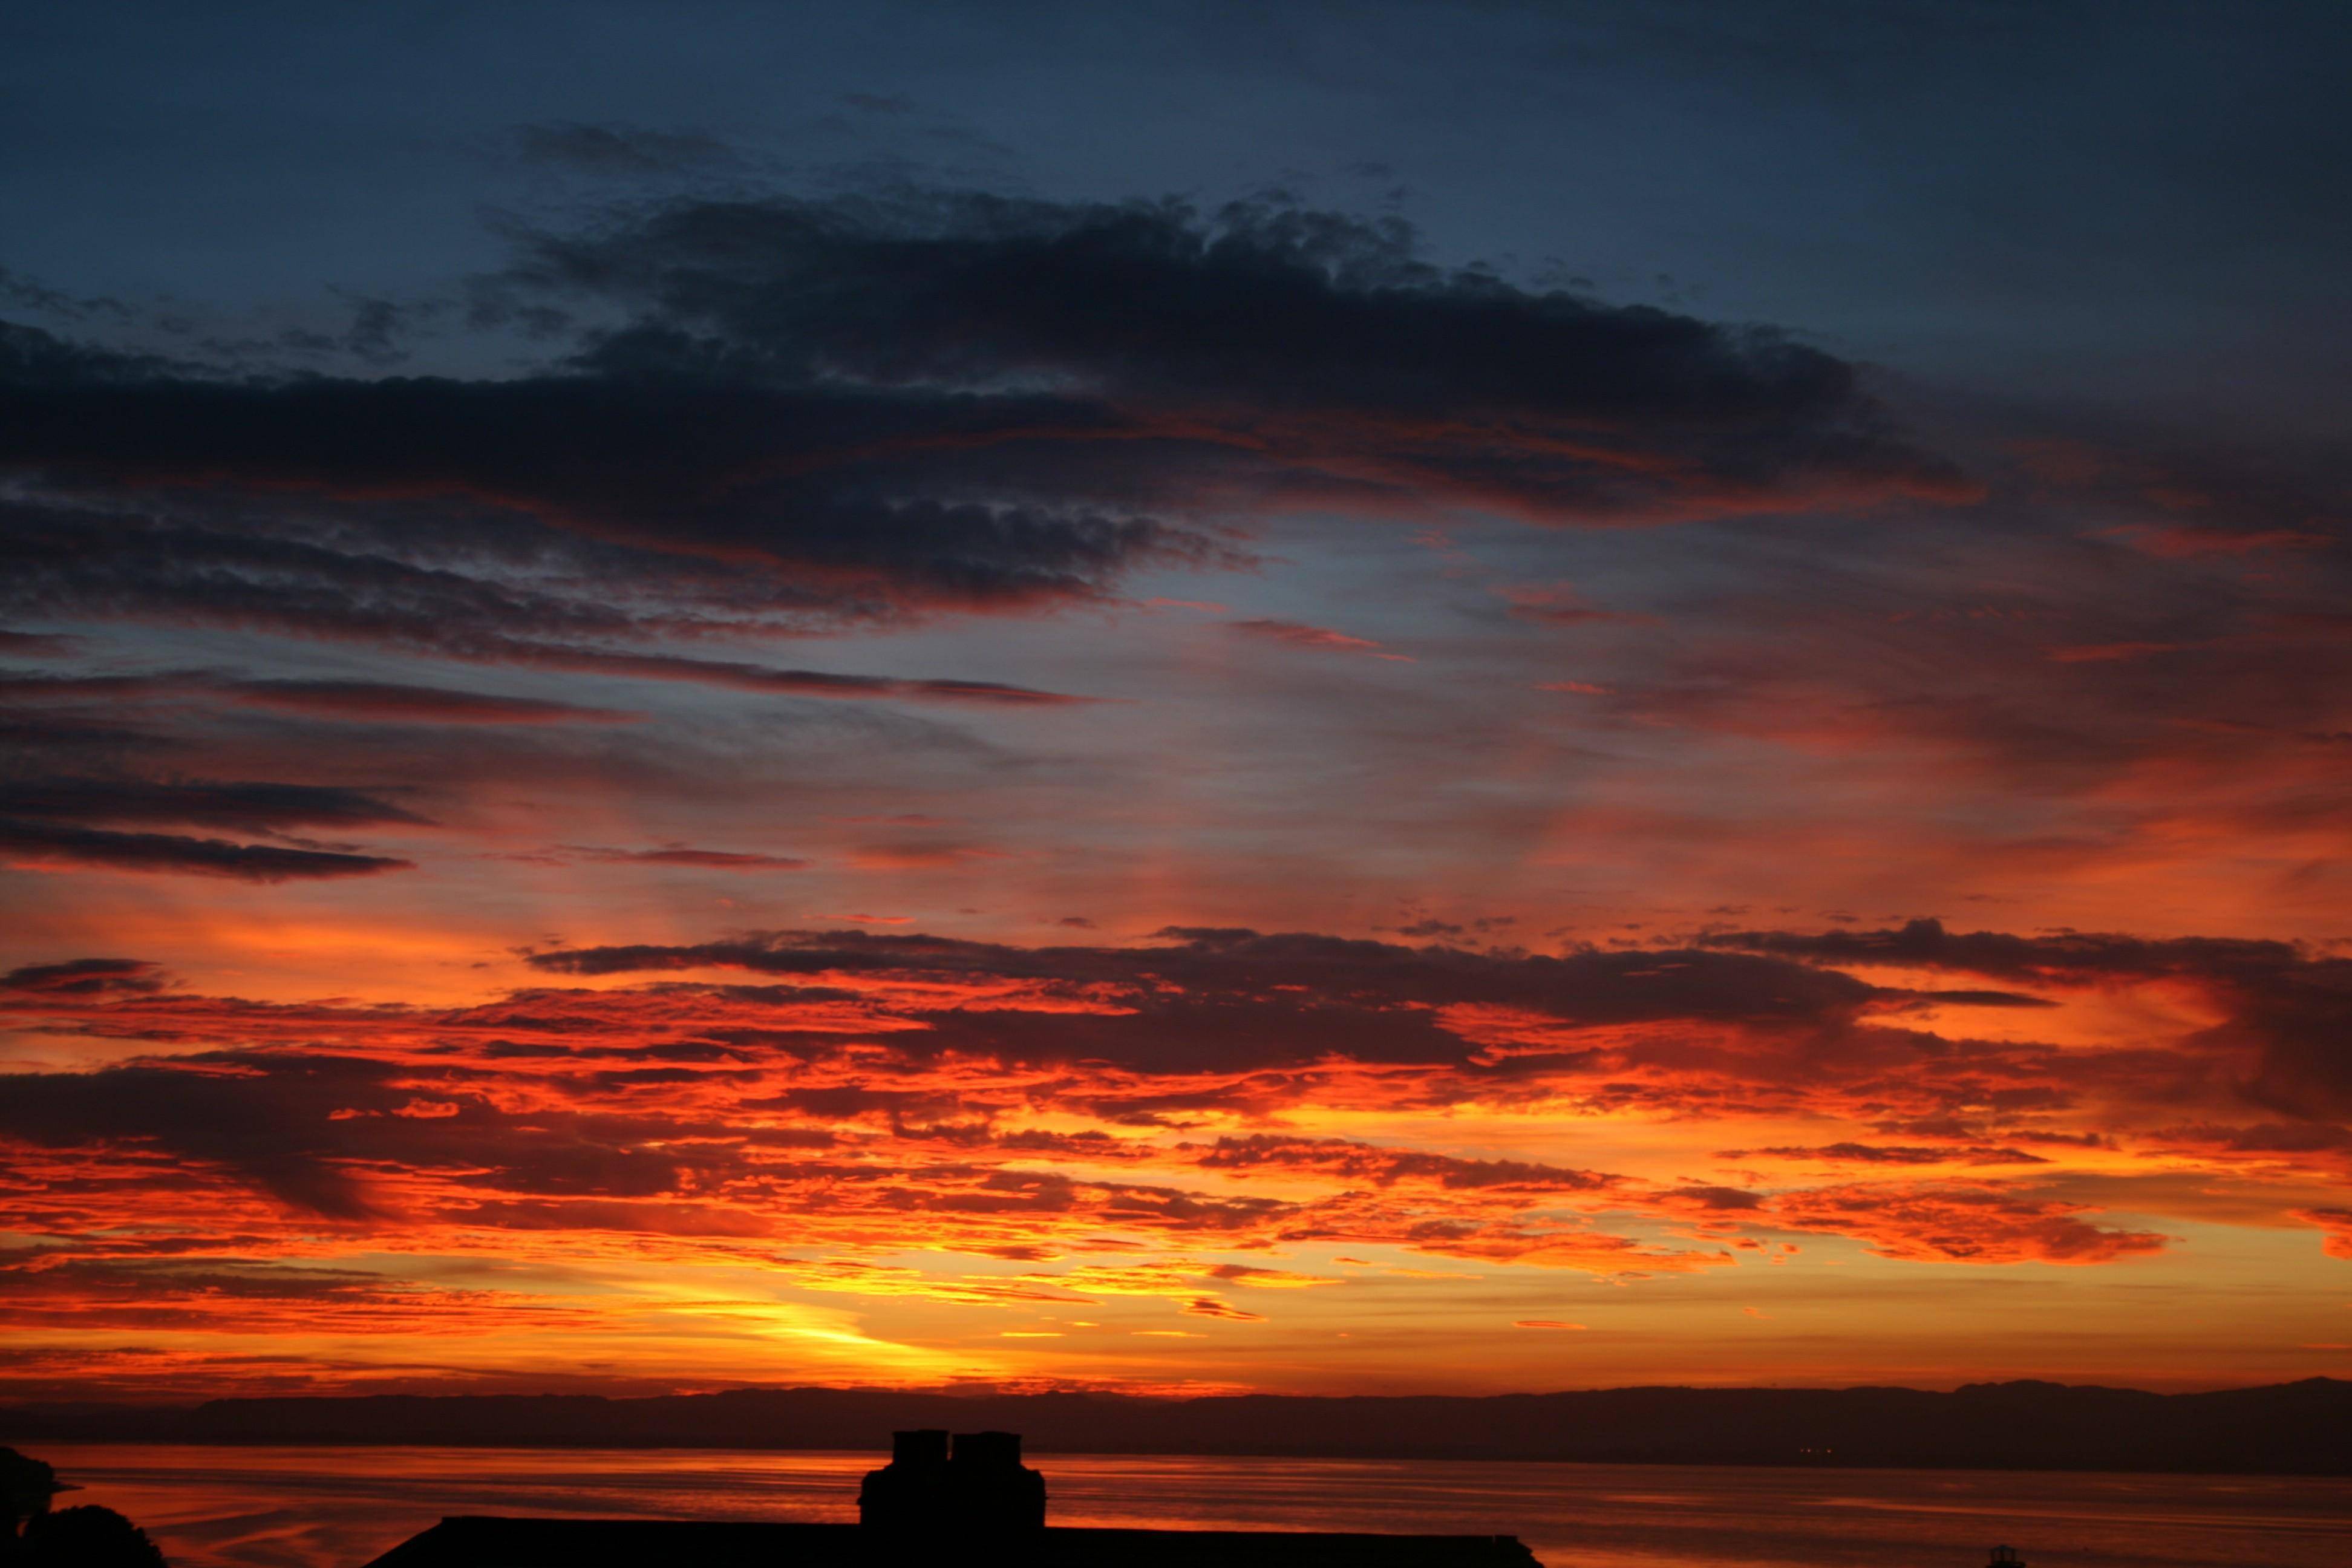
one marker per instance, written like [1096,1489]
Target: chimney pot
[927,1447]
[995,1451]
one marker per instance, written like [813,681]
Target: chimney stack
[918,1450]
[979,1490]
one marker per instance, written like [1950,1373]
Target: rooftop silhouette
[968,1495]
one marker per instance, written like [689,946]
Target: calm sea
[337,1508]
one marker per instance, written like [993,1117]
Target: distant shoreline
[9,1439]
[2287,1429]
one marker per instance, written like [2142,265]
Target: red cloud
[1210,1307]
[1298,634]
[1960,1222]
[685,855]
[854,1097]
[2338,1225]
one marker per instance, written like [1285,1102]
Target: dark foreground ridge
[976,1504]
[2296,1428]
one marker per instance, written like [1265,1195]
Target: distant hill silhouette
[2297,1428]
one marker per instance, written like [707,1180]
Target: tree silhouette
[87,1537]
[25,1487]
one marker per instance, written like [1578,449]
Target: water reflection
[336,1507]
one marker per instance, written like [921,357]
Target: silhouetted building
[942,1501]
[478,1543]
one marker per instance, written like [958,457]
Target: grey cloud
[64,843]
[804,416]
[248,806]
[620,150]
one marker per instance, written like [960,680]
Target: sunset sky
[1323,698]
